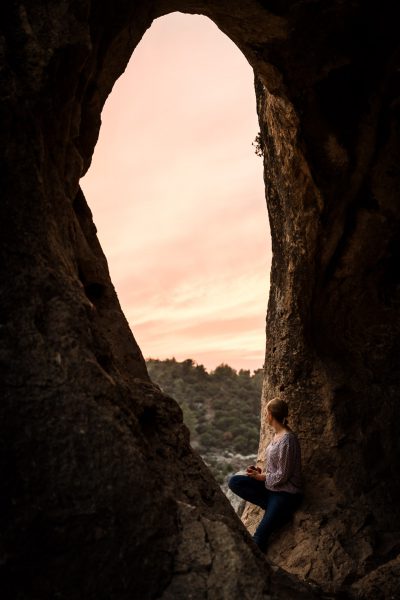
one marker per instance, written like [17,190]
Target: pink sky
[177,196]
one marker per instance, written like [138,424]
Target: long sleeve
[283,468]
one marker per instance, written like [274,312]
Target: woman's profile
[278,489]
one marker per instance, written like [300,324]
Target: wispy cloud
[177,196]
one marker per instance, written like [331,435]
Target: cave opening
[178,197]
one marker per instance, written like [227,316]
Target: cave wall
[103,496]
[332,326]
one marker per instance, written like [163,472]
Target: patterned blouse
[283,464]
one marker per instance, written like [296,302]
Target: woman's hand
[255,473]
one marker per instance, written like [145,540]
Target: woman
[278,490]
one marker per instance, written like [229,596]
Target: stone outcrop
[102,495]
[330,132]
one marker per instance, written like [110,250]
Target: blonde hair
[279,409]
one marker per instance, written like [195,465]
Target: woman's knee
[235,482]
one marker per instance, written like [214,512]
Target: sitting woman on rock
[278,490]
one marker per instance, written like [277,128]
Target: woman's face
[269,417]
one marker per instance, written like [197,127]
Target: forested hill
[221,408]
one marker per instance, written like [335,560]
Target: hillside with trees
[220,408]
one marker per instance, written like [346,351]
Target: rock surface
[102,495]
[331,140]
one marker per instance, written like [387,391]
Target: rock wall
[102,495]
[330,130]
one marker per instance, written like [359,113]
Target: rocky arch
[103,496]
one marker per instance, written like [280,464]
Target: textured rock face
[331,143]
[102,495]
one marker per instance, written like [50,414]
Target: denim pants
[278,506]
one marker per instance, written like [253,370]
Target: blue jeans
[278,506]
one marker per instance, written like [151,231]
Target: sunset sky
[177,196]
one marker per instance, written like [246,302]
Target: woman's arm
[284,464]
